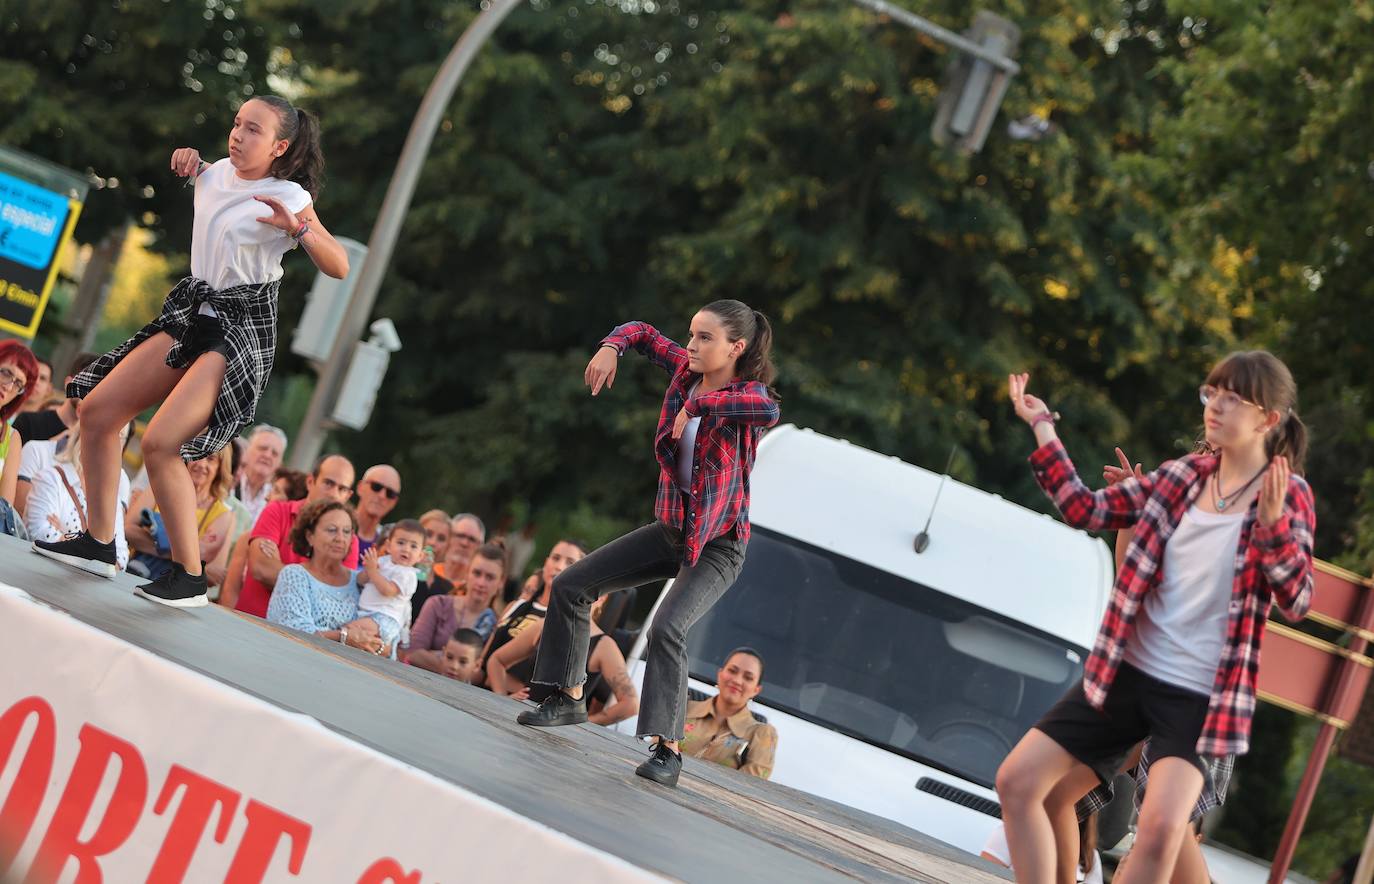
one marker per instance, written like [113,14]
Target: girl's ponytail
[1288,439]
[303,161]
[744,322]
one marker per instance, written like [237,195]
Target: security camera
[384,335]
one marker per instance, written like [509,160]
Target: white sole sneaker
[90,566]
[198,601]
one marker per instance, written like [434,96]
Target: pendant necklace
[1222,501]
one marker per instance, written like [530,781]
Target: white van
[899,681]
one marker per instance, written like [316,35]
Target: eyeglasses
[331,485]
[1225,399]
[379,488]
[9,379]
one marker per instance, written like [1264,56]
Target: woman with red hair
[18,370]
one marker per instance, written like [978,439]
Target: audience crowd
[324,554]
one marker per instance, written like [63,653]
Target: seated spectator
[319,593]
[378,491]
[468,606]
[388,579]
[610,693]
[56,504]
[17,369]
[721,729]
[40,397]
[269,546]
[287,484]
[463,655]
[211,478]
[466,533]
[437,526]
[266,446]
[47,421]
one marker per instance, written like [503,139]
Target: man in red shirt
[269,546]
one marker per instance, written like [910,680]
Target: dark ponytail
[743,322]
[303,161]
[1261,377]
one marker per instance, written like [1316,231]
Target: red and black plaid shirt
[732,419]
[1272,565]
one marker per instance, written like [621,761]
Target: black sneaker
[557,710]
[176,588]
[663,767]
[81,550]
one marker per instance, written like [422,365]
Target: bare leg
[1191,866]
[184,414]
[1025,780]
[137,383]
[1174,787]
[1059,807]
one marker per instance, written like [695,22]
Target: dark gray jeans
[646,554]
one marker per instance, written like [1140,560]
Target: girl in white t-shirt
[208,354]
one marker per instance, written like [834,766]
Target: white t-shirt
[49,497]
[996,847]
[37,457]
[371,601]
[1181,626]
[687,447]
[229,246]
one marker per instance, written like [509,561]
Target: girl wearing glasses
[719,401]
[17,367]
[208,354]
[1218,538]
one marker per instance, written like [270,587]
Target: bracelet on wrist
[1044,417]
[343,635]
[301,231]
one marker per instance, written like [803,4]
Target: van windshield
[880,658]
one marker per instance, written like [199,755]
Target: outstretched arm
[662,351]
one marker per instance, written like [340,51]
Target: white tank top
[1181,626]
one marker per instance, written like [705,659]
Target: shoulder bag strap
[80,510]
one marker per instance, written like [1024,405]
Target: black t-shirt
[425,591]
[39,426]
[524,614]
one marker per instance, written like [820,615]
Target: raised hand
[282,218]
[1274,491]
[1114,474]
[1027,407]
[185,161]
[601,370]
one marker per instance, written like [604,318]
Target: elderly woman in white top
[56,506]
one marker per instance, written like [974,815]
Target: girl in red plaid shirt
[719,402]
[1218,538]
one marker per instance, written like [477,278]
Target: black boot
[663,767]
[557,710]
[83,551]
[176,588]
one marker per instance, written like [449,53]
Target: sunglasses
[379,488]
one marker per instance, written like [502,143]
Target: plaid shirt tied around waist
[1273,565]
[247,314]
[732,420]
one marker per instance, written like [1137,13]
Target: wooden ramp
[576,782]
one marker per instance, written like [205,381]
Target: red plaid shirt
[1272,565]
[732,420]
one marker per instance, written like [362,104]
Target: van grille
[959,796]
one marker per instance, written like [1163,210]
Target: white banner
[117,765]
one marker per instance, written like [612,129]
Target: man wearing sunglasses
[378,492]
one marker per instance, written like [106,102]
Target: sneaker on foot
[81,550]
[663,767]
[176,588]
[557,710]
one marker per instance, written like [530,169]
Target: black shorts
[204,334]
[1138,706]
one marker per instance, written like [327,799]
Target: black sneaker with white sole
[176,588]
[83,551]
